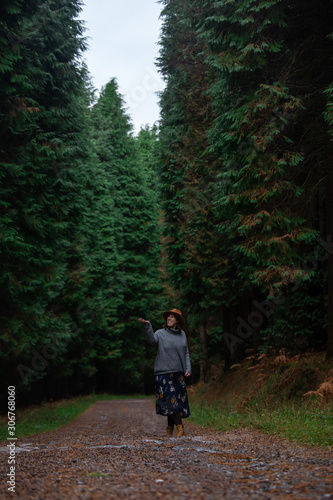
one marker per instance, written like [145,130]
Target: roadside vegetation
[52,415]
[288,397]
[304,424]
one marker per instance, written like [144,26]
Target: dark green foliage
[187,170]
[257,139]
[127,241]
[305,305]
[79,214]
[259,170]
[41,152]
[229,201]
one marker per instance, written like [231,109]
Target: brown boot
[169,430]
[180,429]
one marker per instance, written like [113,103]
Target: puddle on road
[31,447]
[188,445]
[156,441]
[206,450]
[119,447]
[25,447]
[201,439]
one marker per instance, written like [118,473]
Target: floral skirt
[171,394]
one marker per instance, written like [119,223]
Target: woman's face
[171,321]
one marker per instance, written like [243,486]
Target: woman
[171,365]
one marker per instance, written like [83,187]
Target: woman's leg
[170,425]
[177,418]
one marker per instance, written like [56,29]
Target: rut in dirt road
[118,449]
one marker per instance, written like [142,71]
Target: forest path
[118,449]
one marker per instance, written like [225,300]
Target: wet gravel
[118,449]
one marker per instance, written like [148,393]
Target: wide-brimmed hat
[177,313]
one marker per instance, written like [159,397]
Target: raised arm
[151,336]
[144,321]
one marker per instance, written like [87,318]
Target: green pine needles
[264,196]
[79,215]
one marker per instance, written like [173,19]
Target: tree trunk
[226,328]
[329,232]
[234,343]
[203,359]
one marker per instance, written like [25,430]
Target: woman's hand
[143,320]
[187,374]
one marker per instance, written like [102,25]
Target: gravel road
[118,449]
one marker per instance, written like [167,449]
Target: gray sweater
[173,354]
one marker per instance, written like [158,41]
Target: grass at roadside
[304,423]
[50,416]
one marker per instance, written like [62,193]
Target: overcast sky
[124,44]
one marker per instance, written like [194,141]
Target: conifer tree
[41,149]
[193,250]
[126,265]
[262,196]
[329,224]
[267,98]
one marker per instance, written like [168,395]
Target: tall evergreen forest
[223,208]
